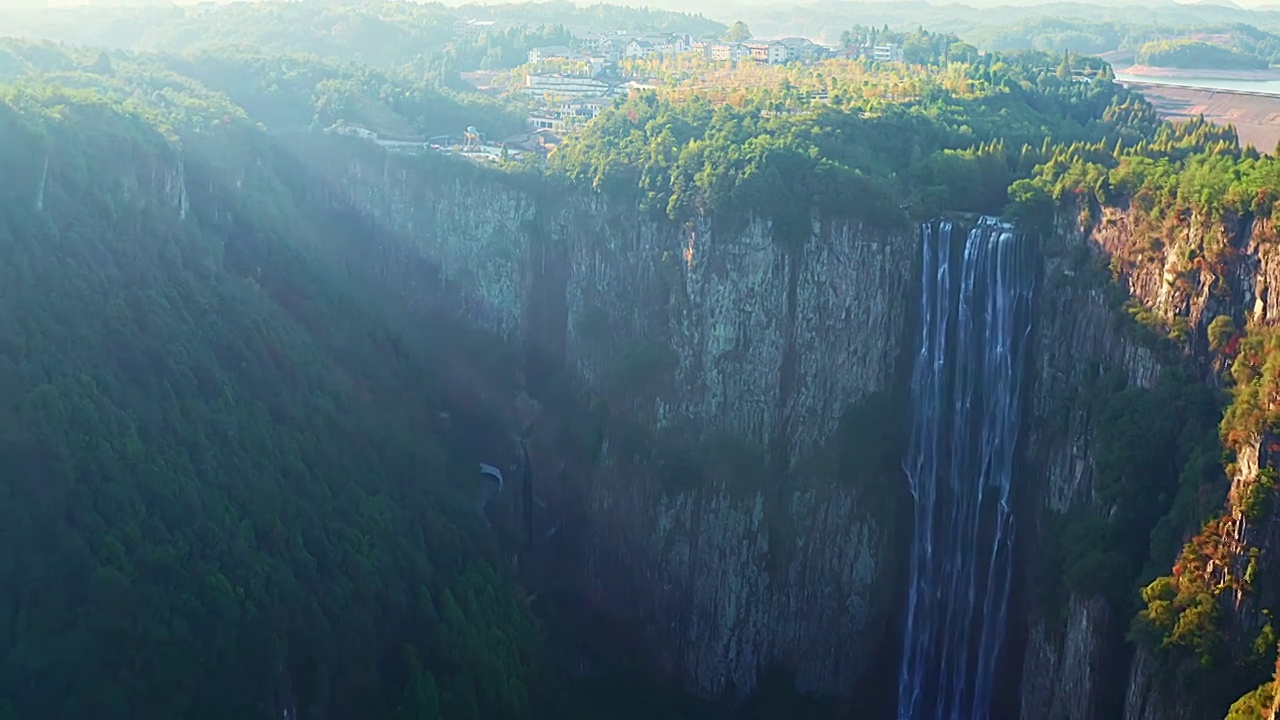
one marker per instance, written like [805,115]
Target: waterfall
[44,178]
[966,398]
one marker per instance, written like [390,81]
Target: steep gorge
[692,381]
[716,412]
[732,599]
[702,493]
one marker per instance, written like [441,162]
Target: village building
[564,86]
[474,28]
[549,52]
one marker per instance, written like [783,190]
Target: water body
[1271,87]
[975,304]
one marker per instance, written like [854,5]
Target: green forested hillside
[225,490]
[1206,44]
[377,33]
[1193,54]
[280,92]
[852,139]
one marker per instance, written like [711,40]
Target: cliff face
[1182,275]
[704,501]
[1068,660]
[707,509]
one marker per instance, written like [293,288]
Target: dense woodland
[885,144]
[229,477]
[375,33]
[1078,27]
[1196,54]
[224,467]
[1204,45]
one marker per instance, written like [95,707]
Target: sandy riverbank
[1174,74]
[1256,117]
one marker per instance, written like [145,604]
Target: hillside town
[561,100]
[603,52]
[567,86]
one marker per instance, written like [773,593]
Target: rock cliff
[1175,278]
[708,507]
[685,387]
[1069,660]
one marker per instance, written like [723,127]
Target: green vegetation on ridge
[841,137]
[1194,54]
[282,92]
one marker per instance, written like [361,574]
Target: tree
[421,699]
[1064,67]
[1220,332]
[738,32]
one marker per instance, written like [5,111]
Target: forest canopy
[1195,54]
[225,509]
[374,33]
[884,144]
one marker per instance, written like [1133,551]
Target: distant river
[1271,87]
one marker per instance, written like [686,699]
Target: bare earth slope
[1256,116]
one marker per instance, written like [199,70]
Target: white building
[588,108]
[774,53]
[546,121]
[631,86]
[612,50]
[801,49]
[474,28]
[640,49]
[730,52]
[888,52]
[564,86]
[548,52]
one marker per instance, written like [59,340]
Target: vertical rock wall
[695,335]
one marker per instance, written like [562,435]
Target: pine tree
[1064,68]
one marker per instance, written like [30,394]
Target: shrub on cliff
[1183,612]
[1220,332]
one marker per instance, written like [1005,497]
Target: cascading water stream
[966,398]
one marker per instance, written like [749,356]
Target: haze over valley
[875,361]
